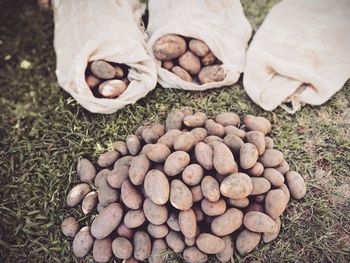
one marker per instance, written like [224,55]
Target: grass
[43,132]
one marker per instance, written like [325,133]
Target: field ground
[43,132]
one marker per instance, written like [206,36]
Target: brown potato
[234,130]
[275,203]
[92,81]
[188,223]
[283,167]
[70,227]
[257,138]
[174,120]
[213,208]
[200,133]
[226,255]
[158,247]
[83,242]
[89,202]
[233,142]
[102,250]
[253,206]
[124,231]
[133,144]
[268,237]
[268,142]
[192,175]
[198,47]
[122,248]
[210,244]
[210,188]
[212,138]
[260,185]
[112,88]
[99,207]
[106,194]
[157,231]
[176,163]
[256,170]
[190,62]
[285,190]
[259,222]
[158,152]
[296,184]
[194,255]
[134,218]
[139,167]
[214,73]
[185,142]
[227,223]
[149,135]
[228,118]
[196,120]
[223,160]
[247,241]
[248,155]
[142,245]
[208,59]
[130,260]
[190,241]
[173,222]
[180,195]
[197,194]
[77,194]
[214,128]
[120,146]
[274,176]
[181,73]
[204,155]
[271,158]
[107,221]
[124,161]
[167,64]
[236,186]
[169,47]
[86,171]
[241,203]
[117,176]
[169,138]
[253,123]
[175,241]
[102,69]
[131,197]
[108,158]
[157,187]
[155,214]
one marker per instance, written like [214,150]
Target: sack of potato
[101,53]
[196,186]
[197,45]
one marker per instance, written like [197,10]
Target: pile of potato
[106,79]
[189,59]
[195,185]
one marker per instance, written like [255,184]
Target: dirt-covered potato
[190,62]
[157,231]
[108,158]
[122,248]
[133,144]
[192,175]
[124,231]
[214,128]
[103,70]
[107,221]
[180,195]
[156,214]
[157,187]
[204,155]
[169,47]
[274,176]
[185,142]
[197,194]
[117,176]
[268,142]
[169,138]
[188,223]
[233,142]
[102,250]
[89,202]
[106,194]
[70,227]
[271,158]
[173,222]
[213,208]
[230,129]
[228,118]
[176,163]
[194,255]
[296,184]
[196,120]
[285,190]
[200,133]
[149,135]
[253,123]
[259,222]
[167,64]
[227,223]
[123,161]
[158,247]
[86,171]
[131,197]
[139,167]
[210,188]
[174,120]
[256,170]
[158,152]
[241,203]
[134,218]
[83,242]
[236,186]
[248,155]
[112,88]
[283,167]
[223,160]
[258,139]
[210,244]
[77,194]
[120,146]
[212,138]
[181,73]
[190,241]
[275,203]
[260,185]
[226,255]
[198,47]
[208,59]
[268,237]
[142,245]
[175,241]
[208,74]
[247,241]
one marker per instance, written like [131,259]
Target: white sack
[300,54]
[87,30]
[221,24]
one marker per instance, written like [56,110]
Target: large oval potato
[158,247]
[214,73]
[181,73]
[133,144]
[176,163]
[236,186]
[192,175]
[83,242]
[247,241]
[89,202]
[260,185]
[213,208]
[108,158]
[180,195]
[214,128]
[196,120]
[175,241]
[274,177]
[70,227]
[122,248]
[156,214]
[275,203]
[197,194]
[188,223]
[268,237]
[223,160]
[210,244]
[228,118]
[233,142]
[139,167]
[198,47]
[174,120]
[142,245]
[258,139]
[254,123]
[259,222]
[173,222]
[134,218]
[157,231]
[117,176]
[102,69]
[248,155]
[296,184]
[169,47]
[271,158]
[77,194]
[190,62]
[194,255]
[210,188]
[158,152]
[131,197]
[227,223]
[157,187]
[185,142]
[226,255]
[86,171]
[112,88]
[102,250]
[169,138]
[204,155]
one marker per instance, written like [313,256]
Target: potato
[180,195]
[227,223]
[228,118]
[274,176]
[190,241]
[247,241]
[102,250]
[260,185]
[185,142]
[258,139]
[139,167]
[133,144]
[169,138]
[223,160]
[142,245]
[259,222]
[175,241]
[268,142]
[167,64]
[198,47]
[181,73]
[112,88]
[102,69]
[124,231]
[253,123]
[155,214]
[158,247]
[235,131]
[158,152]
[271,158]
[117,176]
[107,221]
[296,184]
[233,142]
[157,231]
[200,133]
[268,237]
[190,62]
[197,194]
[253,206]
[210,188]
[124,161]
[92,81]
[213,208]
[248,155]
[70,226]
[275,203]
[108,158]
[122,248]
[259,198]
[196,120]
[188,223]
[285,190]
[194,255]
[130,260]
[256,170]
[134,218]
[204,155]
[173,222]
[192,175]
[77,194]
[208,59]
[86,171]
[157,187]
[149,135]
[210,244]
[106,194]
[283,167]
[169,47]
[174,120]
[241,203]
[99,207]
[120,146]
[236,186]
[226,255]
[208,74]
[101,177]
[82,242]
[199,214]
[176,163]
[214,128]
[131,197]
[89,202]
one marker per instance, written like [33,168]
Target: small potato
[236,186]
[210,244]
[228,118]
[260,185]
[176,163]
[226,255]
[86,171]
[241,203]
[253,206]
[190,62]
[180,195]
[257,138]
[157,231]
[212,138]
[157,187]
[139,167]
[158,152]
[208,59]
[260,198]
[268,237]
[102,250]
[199,216]
[106,194]
[210,188]
[134,218]
[296,184]
[108,158]
[188,223]
[213,208]
[198,47]
[190,241]
[77,194]
[181,73]
[169,138]
[233,142]
[268,142]
[173,222]
[194,255]
[117,176]
[275,203]
[259,222]
[169,47]
[223,160]
[92,81]
[89,202]
[133,144]
[227,223]
[131,197]
[196,120]
[142,245]
[83,242]
[192,175]
[102,69]
[155,214]
[283,167]
[120,146]
[167,64]
[197,194]
[124,231]
[214,73]
[107,221]
[124,161]
[185,142]
[274,176]
[174,120]
[175,241]
[248,155]
[214,128]
[158,247]
[204,155]
[199,133]
[253,123]
[122,248]
[149,135]
[247,241]
[256,170]
[112,88]
[271,158]
[234,130]
[285,190]
[70,226]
